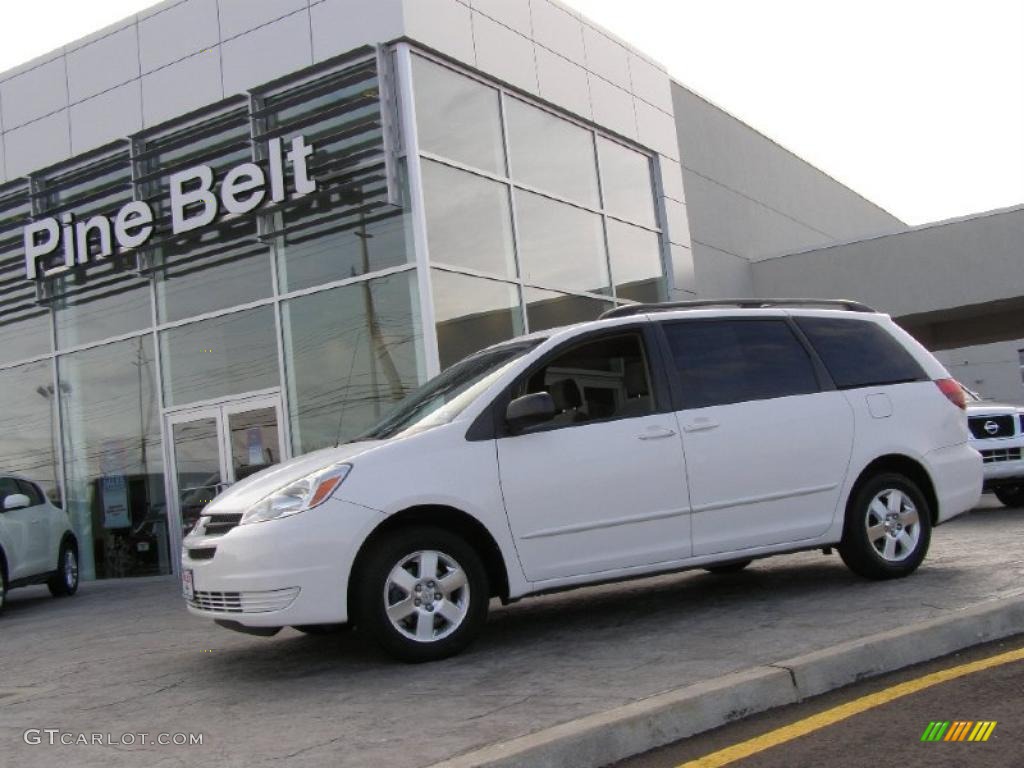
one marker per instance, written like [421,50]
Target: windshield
[444,397]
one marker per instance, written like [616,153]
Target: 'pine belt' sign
[193,205]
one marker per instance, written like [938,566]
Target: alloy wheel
[70,569]
[893,525]
[426,596]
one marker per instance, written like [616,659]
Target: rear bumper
[956,473]
[281,573]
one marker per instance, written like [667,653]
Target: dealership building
[234,231]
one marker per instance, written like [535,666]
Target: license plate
[187,589]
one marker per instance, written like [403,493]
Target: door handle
[700,425]
[656,433]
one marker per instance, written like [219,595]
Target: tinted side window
[731,361]
[858,353]
[35,496]
[598,380]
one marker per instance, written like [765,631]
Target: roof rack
[667,306]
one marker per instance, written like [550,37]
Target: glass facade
[533,220]
[137,379]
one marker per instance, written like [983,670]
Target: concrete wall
[953,283]
[749,198]
[992,370]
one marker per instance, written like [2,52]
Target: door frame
[220,410]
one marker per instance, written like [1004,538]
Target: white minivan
[658,438]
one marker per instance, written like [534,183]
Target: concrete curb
[605,737]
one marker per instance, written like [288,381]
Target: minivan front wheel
[422,594]
[888,528]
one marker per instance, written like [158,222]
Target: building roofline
[781,146]
[894,233]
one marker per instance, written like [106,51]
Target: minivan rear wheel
[887,529]
[422,594]
[1011,495]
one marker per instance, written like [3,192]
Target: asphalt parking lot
[126,658]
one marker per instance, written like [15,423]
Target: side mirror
[16,501]
[530,410]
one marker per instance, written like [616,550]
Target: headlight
[306,493]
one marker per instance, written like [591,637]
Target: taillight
[951,388]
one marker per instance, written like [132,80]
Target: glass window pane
[549,309]
[28,437]
[473,313]
[255,441]
[113,459]
[626,182]
[338,248]
[561,246]
[197,466]
[351,353]
[220,268]
[551,153]
[469,220]
[457,117]
[101,308]
[636,262]
[732,361]
[221,356]
[24,335]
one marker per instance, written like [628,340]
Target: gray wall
[992,370]
[748,198]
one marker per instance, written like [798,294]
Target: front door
[214,446]
[603,486]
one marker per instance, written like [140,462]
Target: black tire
[1010,495]
[3,588]
[322,629]
[867,557]
[727,568]
[373,592]
[64,582]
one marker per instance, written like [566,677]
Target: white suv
[37,545]
[658,438]
[997,433]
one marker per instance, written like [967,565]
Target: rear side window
[732,361]
[860,353]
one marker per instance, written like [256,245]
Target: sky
[916,104]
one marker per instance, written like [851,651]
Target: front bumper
[956,473]
[280,573]
[1004,460]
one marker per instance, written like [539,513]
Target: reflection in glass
[457,117]
[25,334]
[551,153]
[469,220]
[222,356]
[636,263]
[350,354]
[338,248]
[560,245]
[113,460]
[197,467]
[549,309]
[106,305]
[473,313]
[28,437]
[255,444]
[626,182]
[221,267]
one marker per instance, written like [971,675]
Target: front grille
[244,602]
[202,553]
[217,525]
[1000,426]
[1001,454]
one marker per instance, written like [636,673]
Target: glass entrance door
[214,446]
